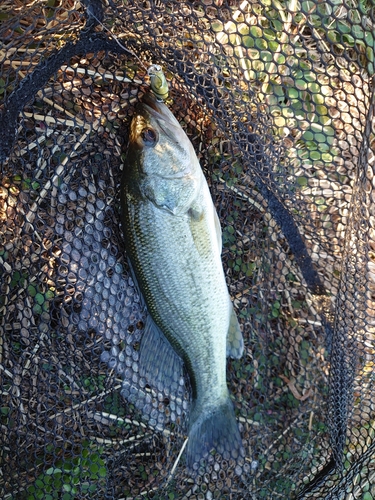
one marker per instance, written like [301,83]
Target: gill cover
[168,171]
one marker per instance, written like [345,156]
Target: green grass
[74,475]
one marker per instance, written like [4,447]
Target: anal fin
[158,361]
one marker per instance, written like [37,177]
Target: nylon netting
[277,99]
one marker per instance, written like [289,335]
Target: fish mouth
[150,107]
[150,101]
[153,106]
[163,116]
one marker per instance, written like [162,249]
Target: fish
[173,241]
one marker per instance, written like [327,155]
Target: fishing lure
[159,84]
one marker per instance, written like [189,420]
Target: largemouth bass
[173,242]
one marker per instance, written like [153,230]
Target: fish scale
[173,242]
[183,292]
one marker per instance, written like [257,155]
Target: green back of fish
[173,241]
[182,282]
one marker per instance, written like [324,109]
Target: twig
[96,74]
[291,426]
[246,196]
[103,416]
[60,169]
[59,121]
[294,391]
[177,460]
[54,105]
[116,442]
[311,419]
[85,402]
[7,372]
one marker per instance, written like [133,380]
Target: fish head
[161,160]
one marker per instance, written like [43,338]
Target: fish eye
[149,136]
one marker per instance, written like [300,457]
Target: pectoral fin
[218,231]
[196,213]
[204,225]
[235,345]
[158,361]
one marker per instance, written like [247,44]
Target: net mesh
[277,99]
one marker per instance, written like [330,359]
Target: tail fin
[213,429]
